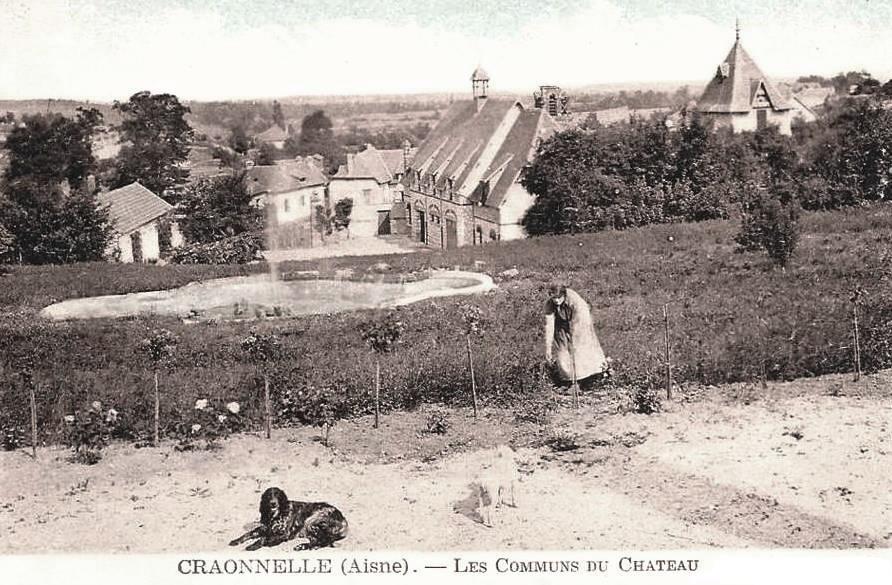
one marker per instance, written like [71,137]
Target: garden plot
[702,474]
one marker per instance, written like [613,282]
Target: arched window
[493,236]
[409,213]
[478,235]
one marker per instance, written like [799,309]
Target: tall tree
[53,226]
[51,148]
[317,137]
[238,140]
[156,139]
[48,207]
[278,115]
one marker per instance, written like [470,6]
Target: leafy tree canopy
[219,207]
[52,148]
[156,139]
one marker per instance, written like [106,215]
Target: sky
[105,50]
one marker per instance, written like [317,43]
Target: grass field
[733,318]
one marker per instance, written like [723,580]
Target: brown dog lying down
[317,524]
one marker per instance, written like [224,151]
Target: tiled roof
[456,147]
[814,97]
[516,152]
[271,179]
[371,163]
[455,144]
[305,171]
[132,206]
[736,82]
[273,134]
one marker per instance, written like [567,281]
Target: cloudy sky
[228,49]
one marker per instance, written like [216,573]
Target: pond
[257,297]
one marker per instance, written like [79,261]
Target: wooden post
[473,379]
[668,352]
[33,421]
[377,390]
[575,384]
[857,340]
[157,410]
[267,408]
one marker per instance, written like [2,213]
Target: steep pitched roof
[814,97]
[132,206]
[371,163]
[273,134]
[482,151]
[515,153]
[736,84]
[271,179]
[305,171]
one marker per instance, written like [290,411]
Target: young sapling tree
[159,347]
[382,335]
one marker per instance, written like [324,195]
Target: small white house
[135,214]
[289,191]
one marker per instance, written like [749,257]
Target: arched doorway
[451,232]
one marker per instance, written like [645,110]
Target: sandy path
[702,474]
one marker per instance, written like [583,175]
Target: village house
[740,97]
[289,191]
[136,216]
[274,135]
[463,186]
[372,179]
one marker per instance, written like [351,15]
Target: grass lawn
[733,317]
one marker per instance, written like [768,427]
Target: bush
[206,424]
[436,422]
[239,249]
[770,225]
[309,405]
[647,400]
[89,432]
[562,440]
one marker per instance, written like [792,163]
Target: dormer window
[724,70]
[761,99]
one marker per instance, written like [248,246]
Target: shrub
[436,422]
[647,400]
[319,407]
[239,249]
[342,212]
[770,225]
[561,440]
[206,424]
[89,432]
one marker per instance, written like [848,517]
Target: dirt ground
[798,465]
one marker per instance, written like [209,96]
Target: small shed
[136,214]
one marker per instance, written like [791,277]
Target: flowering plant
[87,432]
[206,424]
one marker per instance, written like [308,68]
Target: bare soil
[796,465]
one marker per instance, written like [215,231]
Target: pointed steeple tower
[739,87]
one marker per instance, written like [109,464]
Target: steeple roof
[480,74]
[737,83]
